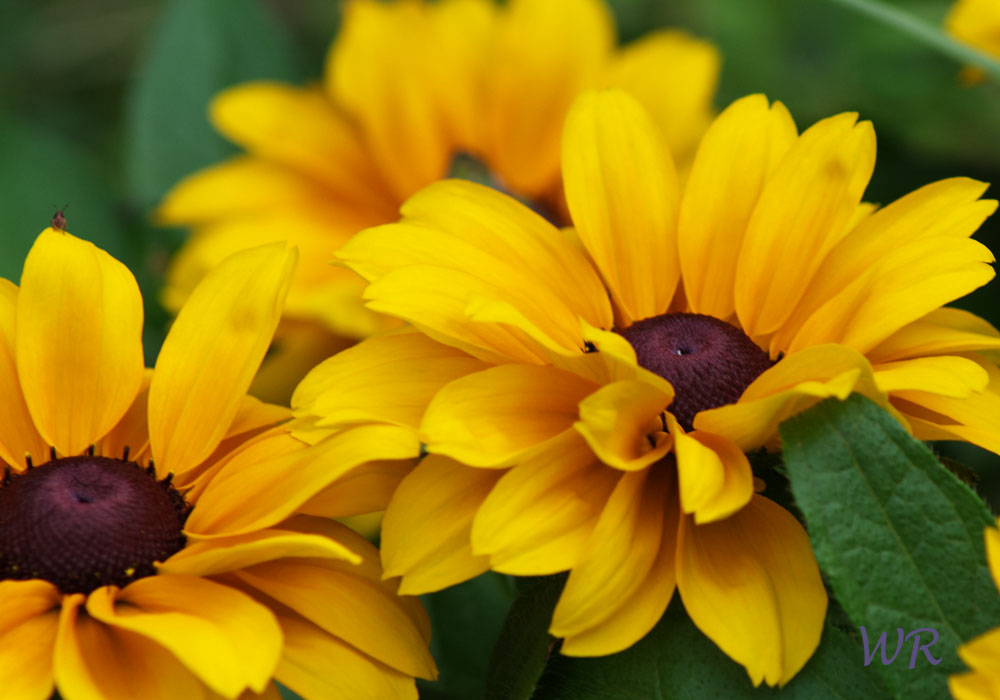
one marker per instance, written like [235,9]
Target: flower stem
[924,32]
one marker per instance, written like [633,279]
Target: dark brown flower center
[708,361]
[86,522]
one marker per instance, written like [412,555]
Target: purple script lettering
[880,646]
[925,647]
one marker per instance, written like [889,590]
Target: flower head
[586,396]
[411,92]
[155,536]
[982,654]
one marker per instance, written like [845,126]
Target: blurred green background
[102,107]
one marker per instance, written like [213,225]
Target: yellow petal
[96,662]
[941,332]
[544,54]
[947,209]
[793,385]
[622,192]
[621,423]
[388,379]
[18,435]
[982,654]
[132,431]
[993,552]
[78,340]
[299,128]
[958,377]
[249,495]
[493,417]
[539,516]
[315,664]
[381,66]
[29,618]
[621,552]
[426,530]
[638,613]
[224,637]
[364,489]
[972,686]
[211,557]
[751,584]
[739,151]
[803,210]
[674,76]
[214,348]
[713,474]
[351,608]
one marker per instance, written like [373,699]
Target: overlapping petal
[18,435]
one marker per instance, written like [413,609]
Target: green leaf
[898,535]
[466,620]
[524,644]
[41,171]
[675,661]
[197,49]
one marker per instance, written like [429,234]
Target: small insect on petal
[59,219]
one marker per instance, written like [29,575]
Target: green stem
[924,32]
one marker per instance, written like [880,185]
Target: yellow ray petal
[249,495]
[351,608]
[639,612]
[739,150]
[383,65]
[803,210]
[983,655]
[492,417]
[713,474]
[621,552]
[942,331]
[96,662]
[301,129]
[132,430]
[211,557]
[364,489]
[674,76]
[621,188]
[426,530]
[539,516]
[791,386]
[212,351]
[751,584]
[388,379]
[958,377]
[18,435]
[29,618]
[223,636]
[315,664]
[946,209]
[78,340]
[544,54]
[992,535]
[972,686]
[621,423]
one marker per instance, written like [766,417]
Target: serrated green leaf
[675,661]
[39,172]
[466,620]
[197,49]
[899,536]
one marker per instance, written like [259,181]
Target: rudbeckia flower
[982,654]
[586,396]
[152,543]
[976,23]
[411,92]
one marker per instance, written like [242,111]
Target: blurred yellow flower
[411,92]
[196,577]
[586,396]
[977,23]
[982,654]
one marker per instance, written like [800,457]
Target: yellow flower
[982,654]
[199,576]
[977,23]
[411,90]
[586,396]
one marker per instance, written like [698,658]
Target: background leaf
[197,49]
[899,536]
